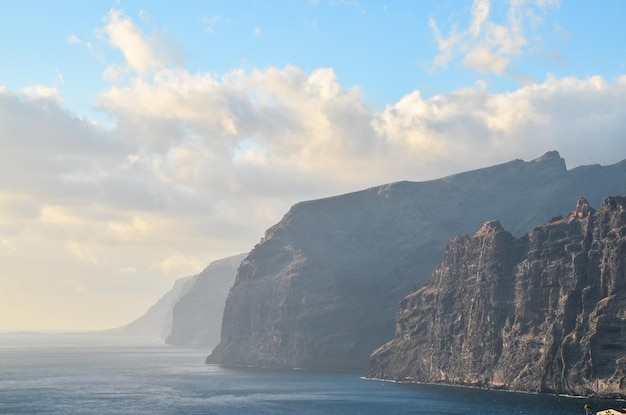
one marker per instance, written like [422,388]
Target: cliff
[197,315]
[544,313]
[321,289]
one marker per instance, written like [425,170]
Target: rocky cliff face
[197,314]
[321,289]
[543,313]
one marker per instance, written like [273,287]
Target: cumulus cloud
[197,165]
[486,46]
[79,251]
[471,124]
[49,151]
[179,262]
[143,55]
[41,92]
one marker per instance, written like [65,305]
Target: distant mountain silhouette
[157,320]
[190,314]
[197,315]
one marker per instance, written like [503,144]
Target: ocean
[88,374]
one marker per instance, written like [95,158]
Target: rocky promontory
[544,313]
[322,288]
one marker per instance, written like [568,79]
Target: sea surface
[87,374]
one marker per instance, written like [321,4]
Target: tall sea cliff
[542,313]
[322,288]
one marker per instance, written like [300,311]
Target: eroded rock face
[543,313]
[322,288]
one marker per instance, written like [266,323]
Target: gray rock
[545,313]
[322,288]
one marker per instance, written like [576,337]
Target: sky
[141,140]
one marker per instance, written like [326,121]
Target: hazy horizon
[140,142]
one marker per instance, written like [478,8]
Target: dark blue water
[108,375]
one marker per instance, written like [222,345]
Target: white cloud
[6,248]
[480,13]
[61,216]
[198,166]
[42,93]
[180,263]
[210,22]
[483,60]
[135,230]
[81,252]
[143,55]
[123,35]
[486,46]
[72,39]
[471,124]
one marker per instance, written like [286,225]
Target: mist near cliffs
[190,314]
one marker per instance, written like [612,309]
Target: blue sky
[384,48]
[142,140]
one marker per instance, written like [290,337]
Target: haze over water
[81,374]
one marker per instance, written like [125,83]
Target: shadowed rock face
[543,313]
[321,289]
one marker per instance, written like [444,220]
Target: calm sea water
[78,374]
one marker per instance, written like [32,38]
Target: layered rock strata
[543,313]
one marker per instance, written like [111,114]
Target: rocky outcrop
[197,315]
[321,289]
[542,313]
